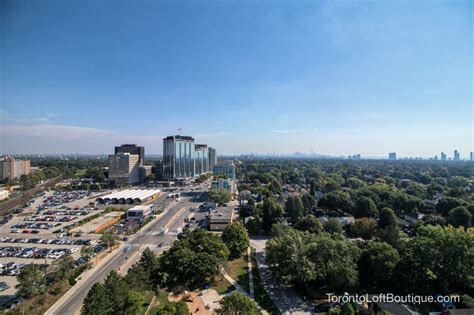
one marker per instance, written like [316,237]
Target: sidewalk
[249,261]
[241,290]
[82,278]
[287,301]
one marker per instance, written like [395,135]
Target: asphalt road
[152,235]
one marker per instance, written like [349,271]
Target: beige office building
[124,168]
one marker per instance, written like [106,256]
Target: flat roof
[178,137]
[132,193]
[222,213]
[140,208]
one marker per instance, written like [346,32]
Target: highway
[171,221]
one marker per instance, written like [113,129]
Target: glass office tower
[178,157]
[201,159]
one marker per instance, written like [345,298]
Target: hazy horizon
[337,78]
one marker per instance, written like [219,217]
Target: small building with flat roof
[220,217]
[139,213]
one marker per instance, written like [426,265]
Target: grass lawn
[238,270]
[221,285]
[41,303]
[80,173]
[148,297]
[261,295]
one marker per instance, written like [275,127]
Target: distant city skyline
[335,78]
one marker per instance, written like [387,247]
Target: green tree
[363,227]
[108,239]
[254,225]
[294,208]
[219,196]
[236,238]
[355,183]
[144,275]
[309,223]
[237,303]
[365,207]
[193,260]
[117,292]
[460,216]
[63,268]
[437,259]
[280,229]
[96,301]
[172,308]
[348,309]
[336,200]
[447,204]
[390,235]
[333,226]
[271,213]
[387,218]
[301,258]
[134,303]
[377,265]
[87,251]
[309,203]
[30,281]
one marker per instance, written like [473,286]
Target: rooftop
[222,213]
[179,137]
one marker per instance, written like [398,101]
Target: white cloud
[47,138]
[51,139]
[295,130]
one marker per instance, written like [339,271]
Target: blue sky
[335,77]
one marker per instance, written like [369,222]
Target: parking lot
[35,234]
[50,212]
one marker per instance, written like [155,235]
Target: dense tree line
[193,261]
[436,259]
[444,192]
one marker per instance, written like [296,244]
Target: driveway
[287,301]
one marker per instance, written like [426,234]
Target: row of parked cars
[54,241]
[76,212]
[35,252]
[11,269]
[61,197]
[50,218]
[33,225]
[6,219]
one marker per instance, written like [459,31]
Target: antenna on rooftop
[179,130]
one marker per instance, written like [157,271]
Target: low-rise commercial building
[220,218]
[139,213]
[129,196]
